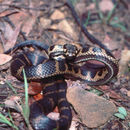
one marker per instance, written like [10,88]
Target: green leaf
[55,129]
[118,25]
[119,115]
[13,89]
[122,110]
[95,22]
[115,19]
[110,14]
[26,110]
[87,20]
[3,119]
[74,2]
[101,15]
[97,92]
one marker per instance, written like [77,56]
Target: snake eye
[51,48]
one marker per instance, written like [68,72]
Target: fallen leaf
[111,44]
[106,89]
[45,23]
[12,38]
[119,115]
[114,95]
[8,2]
[128,93]
[122,110]
[12,103]
[106,5]
[123,91]
[34,88]
[57,15]
[7,12]
[4,59]
[65,26]
[81,7]
[91,6]
[125,58]
[28,24]
[38,97]
[114,125]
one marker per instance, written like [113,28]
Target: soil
[52,22]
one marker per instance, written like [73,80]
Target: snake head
[63,52]
[56,52]
[70,51]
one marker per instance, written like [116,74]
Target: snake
[71,60]
[51,65]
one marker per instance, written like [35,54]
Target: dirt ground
[52,22]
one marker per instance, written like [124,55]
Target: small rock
[73,125]
[57,15]
[45,23]
[66,27]
[92,109]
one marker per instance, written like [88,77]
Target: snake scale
[51,66]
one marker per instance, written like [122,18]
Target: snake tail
[54,95]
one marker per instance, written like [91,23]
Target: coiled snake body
[59,62]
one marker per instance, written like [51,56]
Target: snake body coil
[90,64]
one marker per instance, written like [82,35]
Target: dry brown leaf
[57,15]
[4,59]
[106,89]
[8,2]
[25,19]
[20,19]
[91,6]
[12,102]
[30,19]
[7,12]
[45,23]
[106,5]
[110,43]
[114,95]
[125,58]
[12,37]
[128,93]
[65,26]
[35,88]
[1,1]
[28,24]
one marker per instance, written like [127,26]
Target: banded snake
[60,62]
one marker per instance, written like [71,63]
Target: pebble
[93,110]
